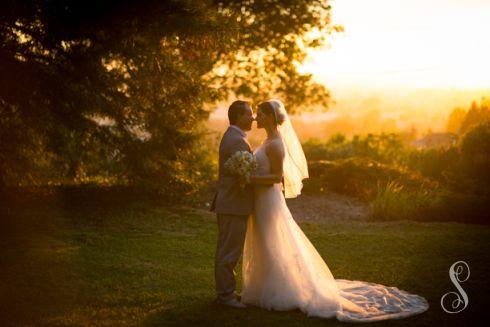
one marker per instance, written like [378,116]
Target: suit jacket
[230,197]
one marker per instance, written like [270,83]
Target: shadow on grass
[141,264]
[206,312]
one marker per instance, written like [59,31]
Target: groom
[232,205]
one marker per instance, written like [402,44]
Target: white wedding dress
[282,270]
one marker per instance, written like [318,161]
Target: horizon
[398,111]
[413,62]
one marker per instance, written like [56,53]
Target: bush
[394,202]
[434,163]
[360,177]
[428,185]
[475,152]
[384,147]
[469,160]
[337,147]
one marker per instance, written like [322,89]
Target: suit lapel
[239,135]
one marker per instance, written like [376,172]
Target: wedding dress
[282,270]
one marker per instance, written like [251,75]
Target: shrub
[394,202]
[384,147]
[475,152]
[433,163]
[359,177]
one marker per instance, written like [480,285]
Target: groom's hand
[255,180]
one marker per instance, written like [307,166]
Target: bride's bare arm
[275,152]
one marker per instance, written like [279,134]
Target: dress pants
[231,237]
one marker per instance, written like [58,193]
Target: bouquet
[242,163]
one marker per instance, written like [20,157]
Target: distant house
[436,140]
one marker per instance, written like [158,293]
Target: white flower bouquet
[242,163]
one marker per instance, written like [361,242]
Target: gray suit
[232,205]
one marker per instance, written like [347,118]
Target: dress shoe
[234,303]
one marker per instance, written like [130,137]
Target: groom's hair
[236,109]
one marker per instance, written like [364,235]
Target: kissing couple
[281,268]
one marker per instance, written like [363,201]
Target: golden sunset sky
[407,44]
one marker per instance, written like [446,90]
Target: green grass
[148,265]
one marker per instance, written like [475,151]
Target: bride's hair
[268,109]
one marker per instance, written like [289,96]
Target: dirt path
[325,207]
[328,207]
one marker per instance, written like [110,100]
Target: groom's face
[246,119]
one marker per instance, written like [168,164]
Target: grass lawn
[147,265]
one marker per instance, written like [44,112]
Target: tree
[475,152]
[119,87]
[455,120]
[477,114]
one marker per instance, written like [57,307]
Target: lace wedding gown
[283,271]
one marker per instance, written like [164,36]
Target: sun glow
[406,44]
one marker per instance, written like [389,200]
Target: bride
[281,268]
